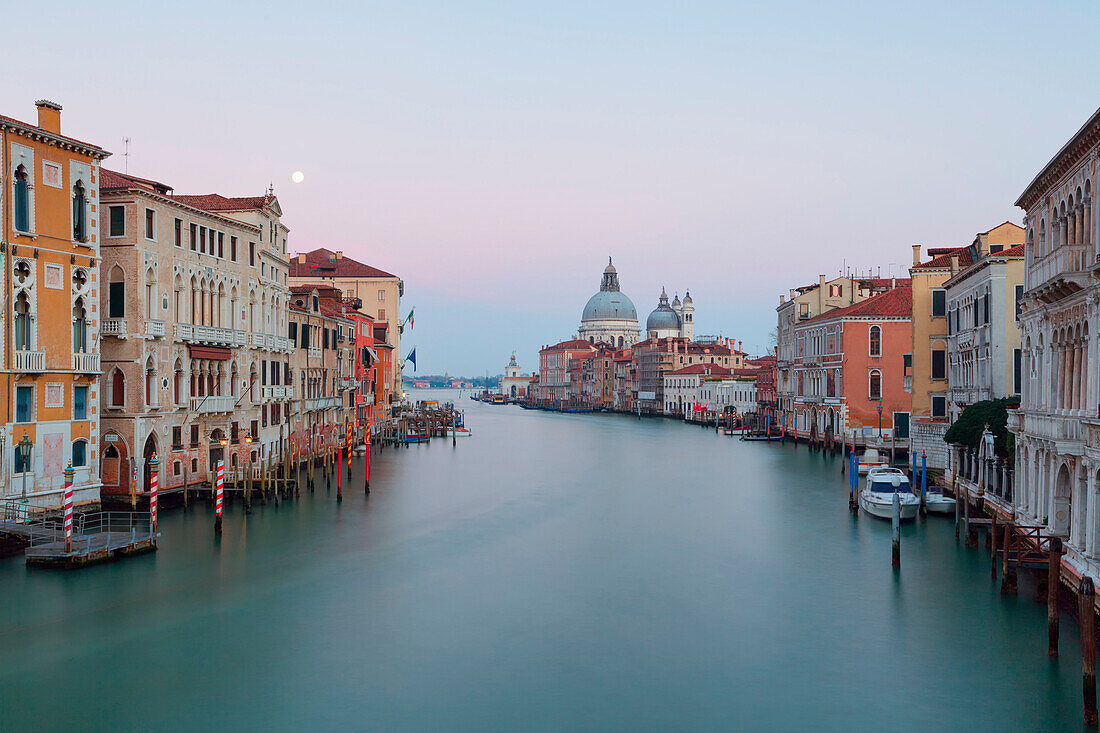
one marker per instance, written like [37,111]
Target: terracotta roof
[324,263]
[35,129]
[109,180]
[885,282]
[217,202]
[571,344]
[702,369]
[746,372]
[941,258]
[893,303]
[1016,251]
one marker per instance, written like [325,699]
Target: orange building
[50,256]
[850,362]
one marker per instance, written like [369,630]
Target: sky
[494,154]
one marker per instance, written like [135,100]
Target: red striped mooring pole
[69,508]
[219,487]
[153,463]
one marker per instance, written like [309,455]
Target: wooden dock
[97,536]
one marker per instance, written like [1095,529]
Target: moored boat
[869,459]
[877,496]
[937,503]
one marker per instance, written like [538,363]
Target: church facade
[609,316]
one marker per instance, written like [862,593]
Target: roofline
[1092,124]
[25,128]
[187,207]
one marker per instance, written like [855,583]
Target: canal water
[551,572]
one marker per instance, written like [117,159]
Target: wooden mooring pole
[895,521]
[993,546]
[1054,583]
[1086,610]
[340,474]
[1008,572]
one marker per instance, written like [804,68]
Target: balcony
[907,383]
[185,332]
[1052,427]
[314,352]
[213,403]
[154,329]
[258,341]
[86,363]
[321,403]
[29,361]
[1060,273]
[113,327]
[282,343]
[348,383]
[278,392]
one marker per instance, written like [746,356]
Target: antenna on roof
[126,155]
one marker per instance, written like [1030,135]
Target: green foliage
[967,430]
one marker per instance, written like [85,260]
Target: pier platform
[97,536]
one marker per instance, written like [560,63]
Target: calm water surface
[550,572]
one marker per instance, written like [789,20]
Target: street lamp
[25,446]
[880,419]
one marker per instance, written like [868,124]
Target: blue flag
[412,357]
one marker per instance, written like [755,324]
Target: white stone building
[684,388]
[1057,427]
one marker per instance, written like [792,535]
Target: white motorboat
[870,459]
[460,432]
[937,503]
[877,496]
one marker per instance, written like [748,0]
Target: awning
[372,352]
[209,352]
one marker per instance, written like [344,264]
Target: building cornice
[65,143]
[105,194]
[1066,157]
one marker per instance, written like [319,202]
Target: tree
[967,430]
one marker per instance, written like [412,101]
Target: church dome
[663,318]
[609,305]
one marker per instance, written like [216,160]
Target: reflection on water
[552,571]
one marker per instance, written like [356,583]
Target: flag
[409,319]
[412,357]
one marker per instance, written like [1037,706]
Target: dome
[687,298]
[675,301]
[609,305]
[663,318]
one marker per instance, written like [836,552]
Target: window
[305,335]
[150,224]
[381,314]
[118,389]
[80,213]
[116,294]
[20,466]
[221,245]
[292,333]
[1017,363]
[178,233]
[23,336]
[80,403]
[24,404]
[194,237]
[80,327]
[21,200]
[194,436]
[875,341]
[80,453]
[324,338]
[175,468]
[233,249]
[177,437]
[985,309]
[1019,300]
[939,406]
[117,216]
[939,303]
[202,240]
[255,429]
[381,296]
[835,291]
[874,385]
[939,364]
[251,254]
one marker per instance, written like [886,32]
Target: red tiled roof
[941,258]
[702,369]
[746,372]
[109,180]
[36,128]
[571,344]
[1016,251]
[217,202]
[324,263]
[892,303]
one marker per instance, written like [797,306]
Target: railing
[240,338]
[185,331]
[29,361]
[321,403]
[91,531]
[1053,427]
[258,340]
[278,392]
[86,363]
[1066,259]
[113,327]
[348,383]
[282,343]
[213,403]
[213,335]
[154,329]
[314,352]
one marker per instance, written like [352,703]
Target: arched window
[23,340]
[21,200]
[150,294]
[80,453]
[80,327]
[875,341]
[118,389]
[80,217]
[874,385]
[116,294]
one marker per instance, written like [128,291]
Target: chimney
[49,116]
[954,265]
[893,283]
[301,258]
[339,255]
[821,280]
[782,299]
[916,254]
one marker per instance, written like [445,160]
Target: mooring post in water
[1054,582]
[1086,610]
[971,530]
[366,466]
[853,481]
[1008,572]
[958,511]
[923,482]
[339,474]
[993,545]
[895,521]
[219,487]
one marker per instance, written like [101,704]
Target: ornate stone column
[1090,515]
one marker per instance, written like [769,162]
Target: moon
[297,176]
